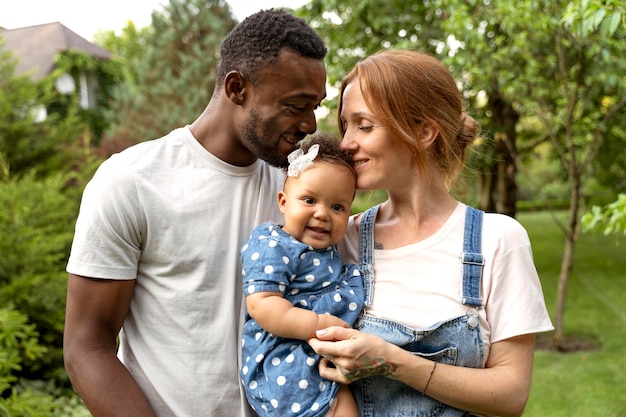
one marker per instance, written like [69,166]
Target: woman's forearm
[501,388]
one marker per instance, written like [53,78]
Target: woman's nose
[347,144]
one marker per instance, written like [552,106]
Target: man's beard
[255,143]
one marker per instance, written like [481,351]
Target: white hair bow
[299,161]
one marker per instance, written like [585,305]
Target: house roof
[36,47]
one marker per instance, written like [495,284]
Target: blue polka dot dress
[280,375]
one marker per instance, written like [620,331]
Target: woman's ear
[428,133]
[235,86]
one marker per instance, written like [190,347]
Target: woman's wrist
[378,363]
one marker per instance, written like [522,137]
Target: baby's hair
[329,150]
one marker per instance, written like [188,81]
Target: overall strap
[472,258]
[366,252]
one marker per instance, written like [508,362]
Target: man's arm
[94,315]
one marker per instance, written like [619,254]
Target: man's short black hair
[258,39]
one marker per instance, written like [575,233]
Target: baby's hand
[326,320]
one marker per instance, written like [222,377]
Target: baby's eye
[338,207]
[309,200]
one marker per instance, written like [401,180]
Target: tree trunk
[506,189]
[567,263]
[486,188]
[504,119]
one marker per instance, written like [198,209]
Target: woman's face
[379,161]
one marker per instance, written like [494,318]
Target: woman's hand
[501,388]
[355,355]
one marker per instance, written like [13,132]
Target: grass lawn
[592,382]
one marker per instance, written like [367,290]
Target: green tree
[107,72]
[36,222]
[42,165]
[576,90]
[358,29]
[28,140]
[559,66]
[172,76]
[554,69]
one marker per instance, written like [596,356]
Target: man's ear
[235,86]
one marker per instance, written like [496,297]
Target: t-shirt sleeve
[515,302]
[268,264]
[107,239]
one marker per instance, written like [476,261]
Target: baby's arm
[279,317]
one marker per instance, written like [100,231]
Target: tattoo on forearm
[371,367]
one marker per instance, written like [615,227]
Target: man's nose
[308,124]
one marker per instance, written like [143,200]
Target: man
[157,240]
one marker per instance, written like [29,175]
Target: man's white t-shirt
[419,285]
[174,217]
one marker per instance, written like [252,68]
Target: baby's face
[316,204]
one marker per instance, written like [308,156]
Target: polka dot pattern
[281,377]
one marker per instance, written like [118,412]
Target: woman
[453,300]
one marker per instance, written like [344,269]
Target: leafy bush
[36,225]
[41,399]
[609,219]
[19,344]
[19,349]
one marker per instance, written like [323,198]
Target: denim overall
[454,342]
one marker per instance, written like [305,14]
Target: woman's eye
[365,128]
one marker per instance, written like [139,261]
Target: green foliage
[366,199]
[595,321]
[585,17]
[36,222]
[40,399]
[19,344]
[356,29]
[609,219]
[108,74]
[174,65]
[529,53]
[20,348]
[543,177]
[25,141]
[128,48]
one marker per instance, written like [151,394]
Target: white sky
[87,17]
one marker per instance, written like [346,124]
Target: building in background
[36,49]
